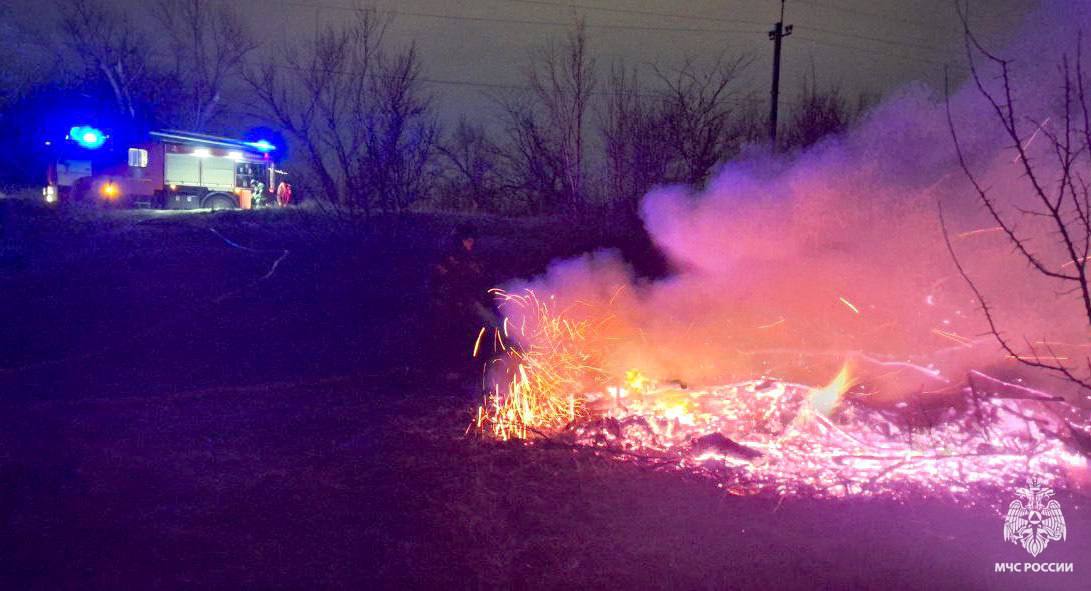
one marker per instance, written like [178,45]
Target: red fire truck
[166,169]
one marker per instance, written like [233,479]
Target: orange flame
[825,399]
[545,378]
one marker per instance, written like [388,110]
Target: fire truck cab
[166,169]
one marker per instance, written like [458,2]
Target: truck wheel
[220,201]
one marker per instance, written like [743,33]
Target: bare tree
[209,43]
[470,180]
[111,47]
[401,133]
[547,131]
[1058,193]
[698,111]
[356,113]
[819,114]
[634,140]
[531,163]
[319,95]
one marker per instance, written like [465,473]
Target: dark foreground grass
[156,436]
[351,484]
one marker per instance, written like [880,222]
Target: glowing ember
[772,435]
[776,436]
[535,389]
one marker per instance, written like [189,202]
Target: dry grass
[288,450]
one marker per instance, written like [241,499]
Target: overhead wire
[707,18]
[811,37]
[501,86]
[516,21]
[641,12]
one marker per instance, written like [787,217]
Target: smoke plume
[787,265]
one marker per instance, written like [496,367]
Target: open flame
[825,399]
[768,434]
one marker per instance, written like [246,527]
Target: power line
[497,85]
[721,19]
[640,12]
[489,19]
[879,52]
[869,38]
[884,17]
[887,17]
[298,3]
[594,26]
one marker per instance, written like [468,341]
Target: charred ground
[171,419]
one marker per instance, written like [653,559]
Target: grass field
[179,414]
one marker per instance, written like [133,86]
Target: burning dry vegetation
[856,320]
[766,434]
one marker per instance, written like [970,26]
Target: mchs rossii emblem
[1038,522]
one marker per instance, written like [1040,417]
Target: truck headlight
[50,194]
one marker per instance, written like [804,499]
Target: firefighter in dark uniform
[460,301]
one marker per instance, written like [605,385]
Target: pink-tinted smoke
[787,265]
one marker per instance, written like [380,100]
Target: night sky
[870,45]
[470,48]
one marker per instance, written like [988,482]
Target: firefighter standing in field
[459,300]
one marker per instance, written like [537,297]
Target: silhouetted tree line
[363,129]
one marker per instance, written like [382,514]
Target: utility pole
[779,32]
